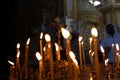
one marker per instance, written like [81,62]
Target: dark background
[21,19]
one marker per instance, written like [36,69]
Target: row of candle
[69,54]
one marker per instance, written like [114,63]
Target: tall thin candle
[66,35]
[26,59]
[94,33]
[39,57]
[17,58]
[80,51]
[48,40]
[90,52]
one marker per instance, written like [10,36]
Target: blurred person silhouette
[112,37]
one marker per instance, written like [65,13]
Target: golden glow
[102,49]
[71,54]
[41,35]
[106,61]
[18,54]
[39,57]
[94,32]
[28,41]
[18,45]
[65,33]
[90,39]
[117,47]
[12,63]
[44,49]
[47,37]
[56,46]
[80,38]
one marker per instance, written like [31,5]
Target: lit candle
[75,65]
[113,52]
[26,58]
[90,51]
[94,33]
[83,55]
[102,50]
[17,59]
[57,51]
[66,35]
[12,67]
[48,40]
[80,51]
[117,54]
[41,51]
[39,57]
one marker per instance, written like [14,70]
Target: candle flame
[71,54]
[39,57]
[28,41]
[94,32]
[117,47]
[106,61]
[10,62]
[93,53]
[18,45]
[56,46]
[18,54]
[90,39]
[41,35]
[80,38]
[102,49]
[113,45]
[65,33]
[47,37]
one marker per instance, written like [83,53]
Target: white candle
[39,57]
[48,40]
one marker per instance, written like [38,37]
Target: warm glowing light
[65,33]
[90,39]
[102,49]
[56,46]
[47,37]
[72,55]
[93,53]
[80,38]
[41,35]
[39,57]
[12,63]
[18,45]
[117,47]
[28,41]
[18,54]
[94,32]
[106,61]
[44,48]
